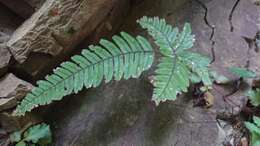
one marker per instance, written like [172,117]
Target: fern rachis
[125,57]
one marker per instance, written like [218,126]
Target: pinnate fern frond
[125,57]
[178,64]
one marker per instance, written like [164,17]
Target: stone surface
[12,90]
[10,124]
[105,116]
[21,8]
[58,26]
[122,114]
[8,24]
[35,4]
[4,58]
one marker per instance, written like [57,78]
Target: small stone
[244,141]
[12,90]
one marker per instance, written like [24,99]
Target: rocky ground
[122,113]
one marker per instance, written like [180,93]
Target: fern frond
[178,65]
[125,57]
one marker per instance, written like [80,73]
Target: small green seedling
[254,129]
[242,73]
[36,135]
[219,79]
[254,96]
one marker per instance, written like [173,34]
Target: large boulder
[122,114]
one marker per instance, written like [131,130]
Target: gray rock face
[8,24]
[118,115]
[58,26]
[12,90]
[21,8]
[4,59]
[5,55]
[35,4]
[122,114]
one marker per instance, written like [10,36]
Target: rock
[117,115]
[232,135]
[12,90]
[246,14]
[4,141]
[231,50]
[8,24]
[4,59]
[34,67]
[20,7]
[5,55]
[57,32]
[11,124]
[256,2]
[35,4]
[26,7]
[9,21]
[122,114]
[58,26]
[111,23]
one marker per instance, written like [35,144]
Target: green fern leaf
[198,65]
[242,72]
[254,129]
[178,66]
[254,96]
[125,57]
[171,79]
[167,38]
[37,133]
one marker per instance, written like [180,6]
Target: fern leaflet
[254,129]
[125,57]
[254,96]
[178,64]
